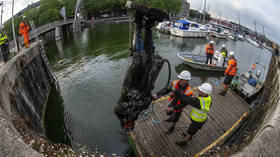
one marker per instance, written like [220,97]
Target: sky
[264,12]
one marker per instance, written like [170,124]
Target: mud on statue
[143,71]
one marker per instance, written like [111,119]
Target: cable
[169,72]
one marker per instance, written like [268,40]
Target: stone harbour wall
[266,142]
[24,90]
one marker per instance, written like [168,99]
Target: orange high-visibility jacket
[188,91]
[231,67]
[23,29]
[209,49]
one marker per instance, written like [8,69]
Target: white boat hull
[232,37]
[219,35]
[188,33]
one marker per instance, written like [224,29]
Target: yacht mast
[239,24]
[263,32]
[204,12]
[255,28]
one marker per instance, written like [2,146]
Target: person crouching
[179,86]
[200,108]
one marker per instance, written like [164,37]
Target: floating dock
[225,115]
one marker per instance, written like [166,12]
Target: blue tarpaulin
[181,24]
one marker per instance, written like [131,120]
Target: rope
[145,113]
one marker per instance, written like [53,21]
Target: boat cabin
[185,25]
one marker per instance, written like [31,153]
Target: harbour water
[91,75]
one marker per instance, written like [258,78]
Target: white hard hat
[205,88]
[23,16]
[223,45]
[185,75]
[1,27]
[212,42]
[231,53]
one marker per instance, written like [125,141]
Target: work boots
[170,130]
[223,93]
[181,143]
[168,119]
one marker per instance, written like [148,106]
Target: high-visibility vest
[209,49]
[223,51]
[200,115]
[23,29]
[188,92]
[231,67]
[3,38]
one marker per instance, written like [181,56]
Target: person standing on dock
[229,73]
[201,106]
[24,31]
[180,86]
[4,44]
[276,52]
[224,53]
[209,52]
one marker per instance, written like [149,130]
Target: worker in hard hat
[209,51]
[229,73]
[224,53]
[4,44]
[180,86]
[200,108]
[24,31]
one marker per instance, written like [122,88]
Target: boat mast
[239,30]
[263,32]
[204,12]
[255,29]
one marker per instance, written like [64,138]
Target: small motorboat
[248,84]
[219,32]
[240,37]
[253,42]
[190,29]
[232,36]
[164,27]
[198,62]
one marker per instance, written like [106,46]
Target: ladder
[43,55]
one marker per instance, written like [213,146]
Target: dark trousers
[5,51]
[224,61]
[139,43]
[209,56]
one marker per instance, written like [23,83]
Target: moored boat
[240,37]
[219,32]
[184,28]
[248,84]
[164,27]
[198,62]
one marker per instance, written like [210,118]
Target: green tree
[69,7]
[49,11]
[170,6]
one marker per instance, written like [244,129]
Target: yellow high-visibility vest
[3,38]
[200,115]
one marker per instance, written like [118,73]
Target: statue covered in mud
[144,69]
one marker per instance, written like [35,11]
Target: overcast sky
[265,12]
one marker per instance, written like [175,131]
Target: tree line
[49,10]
